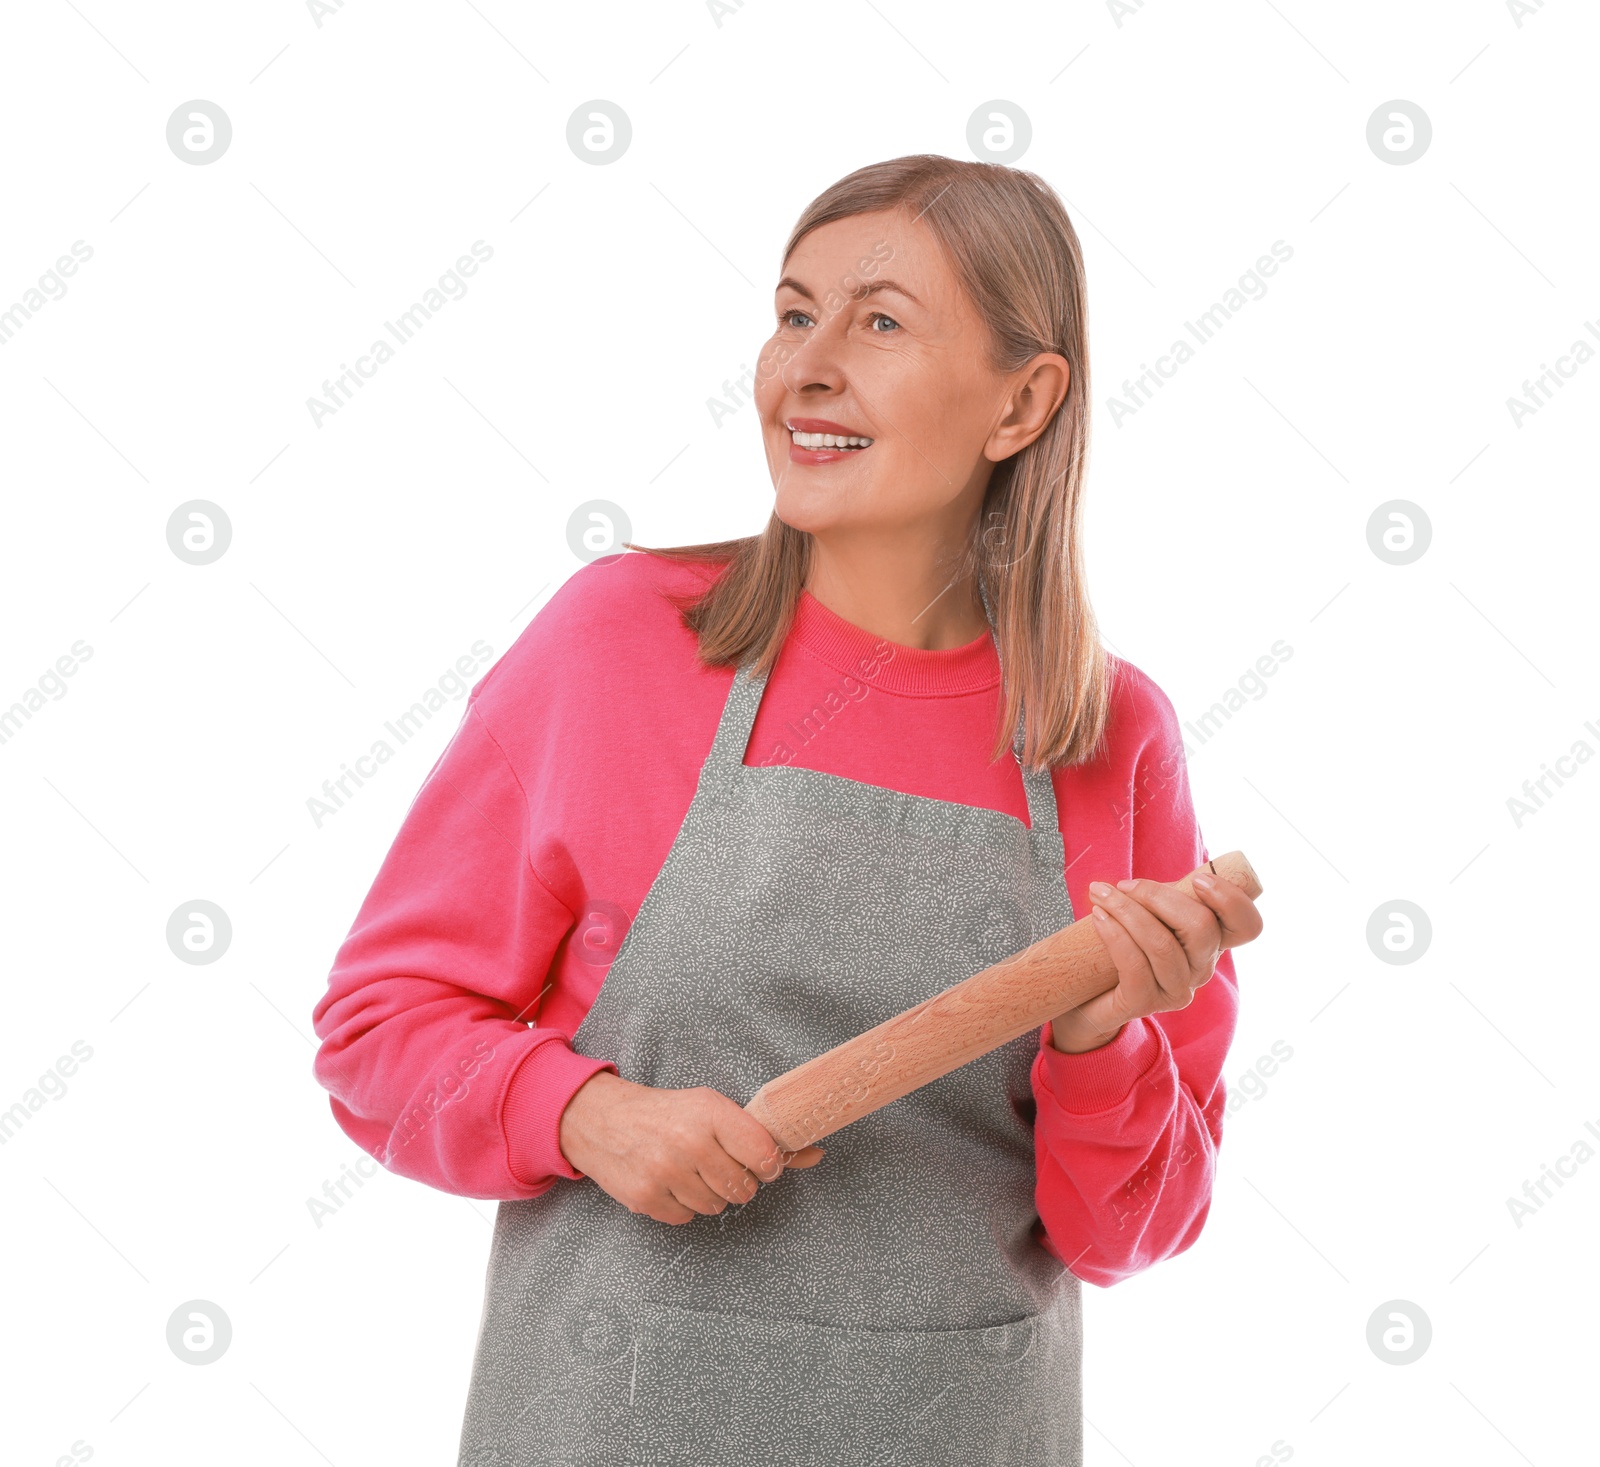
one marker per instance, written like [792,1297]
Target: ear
[1039,387]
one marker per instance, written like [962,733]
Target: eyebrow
[871,287]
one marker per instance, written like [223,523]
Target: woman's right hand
[670,1154]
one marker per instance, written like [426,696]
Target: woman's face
[876,339]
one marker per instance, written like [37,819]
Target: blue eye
[786,318]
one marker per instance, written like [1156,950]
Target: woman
[723,807]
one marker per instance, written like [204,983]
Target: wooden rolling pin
[944,1032]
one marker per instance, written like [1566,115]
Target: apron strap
[1037,783]
[733,728]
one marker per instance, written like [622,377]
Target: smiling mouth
[823,437]
[829,440]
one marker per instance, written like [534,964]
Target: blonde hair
[1012,246]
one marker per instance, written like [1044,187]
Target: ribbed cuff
[1098,1079]
[545,1080]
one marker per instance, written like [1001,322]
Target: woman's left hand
[1166,944]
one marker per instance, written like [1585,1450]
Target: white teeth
[829,440]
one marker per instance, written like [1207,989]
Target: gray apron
[892,1304]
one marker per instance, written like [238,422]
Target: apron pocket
[714,1388]
[559,1399]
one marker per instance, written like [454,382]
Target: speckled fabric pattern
[890,1305]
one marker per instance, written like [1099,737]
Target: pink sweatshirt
[446,1023]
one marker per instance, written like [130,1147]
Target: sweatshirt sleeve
[431,1050]
[1126,1135]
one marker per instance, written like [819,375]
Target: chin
[808,512]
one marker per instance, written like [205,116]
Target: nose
[815,362]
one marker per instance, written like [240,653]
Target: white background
[369,553]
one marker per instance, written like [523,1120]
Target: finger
[745,1139]
[1136,983]
[668,1209]
[729,1179]
[1164,954]
[1192,921]
[689,1188]
[1102,1015]
[1237,912]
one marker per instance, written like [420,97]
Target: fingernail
[1205,883]
[1099,915]
[1127,885]
[1099,889]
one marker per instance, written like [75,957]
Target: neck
[902,592]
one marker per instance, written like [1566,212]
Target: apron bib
[892,1304]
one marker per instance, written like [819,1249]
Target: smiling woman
[964,369]
[667,1284]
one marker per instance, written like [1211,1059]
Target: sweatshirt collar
[892,666]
